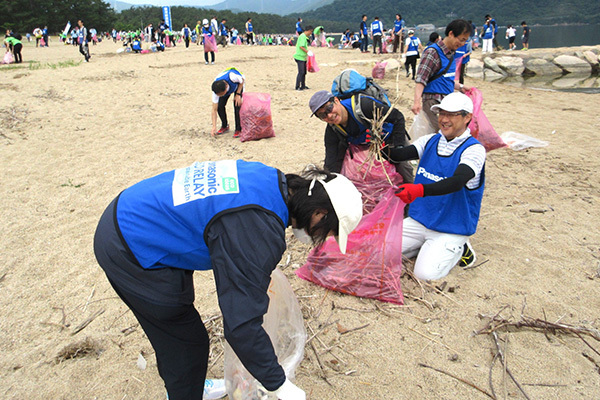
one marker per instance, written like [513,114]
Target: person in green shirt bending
[13,44]
[301,57]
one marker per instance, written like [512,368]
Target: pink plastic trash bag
[255,114]
[372,265]
[379,70]
[238,41]
[8,58]
[210,43]
[311,63]
[480,127]
[369,177]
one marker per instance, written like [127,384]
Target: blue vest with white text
[457,212]
[444,84]
[413,47]
[376,27]
[349,104]
[163,219]
[224,76]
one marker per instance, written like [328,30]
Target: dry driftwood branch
[506,370]
[488,394]
[88,321]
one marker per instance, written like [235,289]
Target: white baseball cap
[347,204]
[205,22]
[454,102]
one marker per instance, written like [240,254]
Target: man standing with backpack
[435,75]
[84,38]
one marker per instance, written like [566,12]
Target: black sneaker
[468,257]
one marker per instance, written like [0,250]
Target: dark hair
[302,206]
[399,16]
[364,15]
[219,86]
[299,19]
[434,37]
[308,28]
[523,23]
[488,16]
[458,27]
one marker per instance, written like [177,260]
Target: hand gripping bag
[255,115]
[311,63]
[372,265]
[284,324]
[480,127]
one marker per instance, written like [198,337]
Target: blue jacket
[163,219]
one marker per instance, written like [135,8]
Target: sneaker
[223,130]
[237,134]
[212,62]
[468,257]
[206,62]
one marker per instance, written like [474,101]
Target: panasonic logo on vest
[429,175]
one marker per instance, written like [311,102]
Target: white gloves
[289,391]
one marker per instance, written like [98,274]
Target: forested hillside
[25,15]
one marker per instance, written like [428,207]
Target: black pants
[45,37]
[364,45]
[17,52]
[171,323]
[301,77]
[212,56]
[223,113]
[84,49]
[377,42]
[187,42]
[461,76]
[411,61]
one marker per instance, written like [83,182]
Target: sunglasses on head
[326,109]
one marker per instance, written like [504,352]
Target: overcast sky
[171,2]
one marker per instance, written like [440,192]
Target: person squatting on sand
[231,81]
[347,123]
[154,234]
[445,199]
[435,75]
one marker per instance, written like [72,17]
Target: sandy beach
[74,134]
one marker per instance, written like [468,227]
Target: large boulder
[491,75]
[513,66]
[489,63]
[590,57]
[475,69]
[391,66]
[540,66]
[573,64]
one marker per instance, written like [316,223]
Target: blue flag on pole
[167,16]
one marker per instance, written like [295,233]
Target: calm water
[543,36]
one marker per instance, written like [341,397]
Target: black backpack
[88,37]
[18,36]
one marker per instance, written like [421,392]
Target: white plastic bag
[518,141]
[284,324]
[420,127]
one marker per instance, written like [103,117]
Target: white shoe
[213,63]
[206,62]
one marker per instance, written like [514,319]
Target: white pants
[487,46]
[438,252]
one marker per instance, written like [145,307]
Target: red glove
[409,192]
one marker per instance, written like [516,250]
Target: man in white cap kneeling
[446,196]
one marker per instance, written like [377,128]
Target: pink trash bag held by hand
[311,63]
[372,265]
[255,114]
[480,127]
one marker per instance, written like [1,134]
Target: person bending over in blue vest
[445,199]
[231,81]
[229,216]
[348,123]
[435,74]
